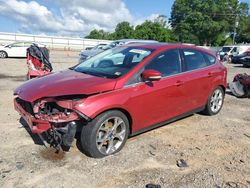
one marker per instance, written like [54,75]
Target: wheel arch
[223,87]
[4,52]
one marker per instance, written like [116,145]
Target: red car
[122,92]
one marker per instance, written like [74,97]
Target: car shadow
[36,139]
[228,92]
[14,78]
[17,57]
[238,66]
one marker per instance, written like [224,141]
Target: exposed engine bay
[54,119]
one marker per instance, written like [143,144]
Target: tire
[3,54]
[215,102]
[246,66]
[102,136]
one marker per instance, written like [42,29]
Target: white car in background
[17,49]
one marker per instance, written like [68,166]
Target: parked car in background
[151,85]
[90,53]
[246,61]
[17,49]
[227,52]
[99,46]
[239,59]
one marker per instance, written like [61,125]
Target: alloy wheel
[2,55]
[216,101]
[110,135]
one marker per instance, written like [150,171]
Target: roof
[164,46]
[136,40]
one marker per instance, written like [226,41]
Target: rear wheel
[3,54]
[105,135]
[215,102]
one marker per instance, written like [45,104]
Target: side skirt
[167,121]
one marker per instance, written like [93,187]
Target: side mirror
[151,75]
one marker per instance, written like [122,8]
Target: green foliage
[124,30]
[205,20]
[202,22]
[244,30]
[98,34]
[149,30]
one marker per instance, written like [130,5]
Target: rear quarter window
[194,59]
[210,59]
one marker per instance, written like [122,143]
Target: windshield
[114,63]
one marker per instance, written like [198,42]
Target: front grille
[27,106]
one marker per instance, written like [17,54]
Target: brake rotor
[110,124]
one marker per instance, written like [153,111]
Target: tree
[149,30]
[124,30]
[243,34]
[202,21]
[154,30]
[162,20]
[98,34]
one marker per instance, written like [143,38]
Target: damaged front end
[53,118]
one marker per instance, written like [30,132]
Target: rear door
[198,75]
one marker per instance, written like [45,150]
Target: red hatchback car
[122,92]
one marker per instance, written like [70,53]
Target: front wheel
[3,54]
[215,102]
[105,135]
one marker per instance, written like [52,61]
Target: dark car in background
[239,59]
[246,61]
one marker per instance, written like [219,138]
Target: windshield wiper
[91,73]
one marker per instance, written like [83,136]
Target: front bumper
[37,126]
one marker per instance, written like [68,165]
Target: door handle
[210,74]
[179,83]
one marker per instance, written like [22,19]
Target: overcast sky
[76,17]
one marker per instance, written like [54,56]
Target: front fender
[96,104]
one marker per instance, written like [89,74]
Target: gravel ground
[216,149]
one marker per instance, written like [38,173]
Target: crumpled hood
[68,82]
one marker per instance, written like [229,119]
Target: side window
[193,59]
[17,44]
[167,63]
[211,59]
[27,44]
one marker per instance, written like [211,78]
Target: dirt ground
[216,149]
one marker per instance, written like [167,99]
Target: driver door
[157,101]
